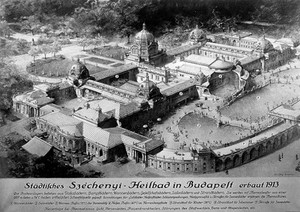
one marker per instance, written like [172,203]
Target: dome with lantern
[263,45]
[144,36]
[145,49]
[79,71]
[197,35]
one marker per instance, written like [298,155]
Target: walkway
[69,51]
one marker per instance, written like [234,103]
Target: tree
[5,49]
[12,81]
[22,164]
[125,14]
[55,47]
[84,42]
[44,40]
[5,30]
[34,51]
[32,24]
[45,49]
[98,41]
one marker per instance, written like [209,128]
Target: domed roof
[144,36]
[197,34]
[79,70]
[263,44]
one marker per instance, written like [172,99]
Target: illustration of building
[145,49]
[114,107]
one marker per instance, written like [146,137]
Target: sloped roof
[36,97]
[37,94]
[195,69]
[181,86]
[90,114]
[68,124]
[44,100]
[130,86]
[118,109]
[152,144]
[181,49]
[37,146]
[101,136]
[221,64]
[114,71]
[199,59]
[74,130]
[130,138]
[50,108]
[175,154]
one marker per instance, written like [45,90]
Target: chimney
[87,105]
[99,109]
[166,76]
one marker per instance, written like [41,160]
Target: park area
[115,52]
[57,67]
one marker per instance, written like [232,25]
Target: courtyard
[192,125]
[254,106]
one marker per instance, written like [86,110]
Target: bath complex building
[115,105]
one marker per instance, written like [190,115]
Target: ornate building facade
[145,49]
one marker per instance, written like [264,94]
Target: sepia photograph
[150,89]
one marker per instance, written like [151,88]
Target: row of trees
[125,17]
[44,49]
[87,18]
[95,42]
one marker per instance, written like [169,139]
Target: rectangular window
[169,166]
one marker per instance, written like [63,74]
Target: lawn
[114,52]
[57,67]
[99,60]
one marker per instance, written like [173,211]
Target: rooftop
[228,47]
[250,59]
[37,146]
[101,136]
[182,49]
[195,69]
[66,123]
[114,71]
[251,141]
[37,97]
[42,87]
[130,86]
[91,115]
[221,65]
[49,108]
[174,154]
[150,144]
[175,86]
[199,59]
